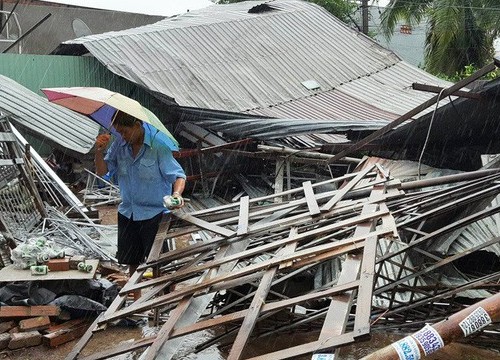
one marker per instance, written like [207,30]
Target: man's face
[129,133]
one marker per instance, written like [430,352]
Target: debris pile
[339,258]
[342,262]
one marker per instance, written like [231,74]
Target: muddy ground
[351,352]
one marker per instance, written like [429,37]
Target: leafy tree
[341,9]
[460,33]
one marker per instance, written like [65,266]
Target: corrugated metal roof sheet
[462,238]
[227,58]
[35,114]
[333,104]
[267,129]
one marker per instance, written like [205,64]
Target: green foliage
[341,9]
[467,71]
[460,32]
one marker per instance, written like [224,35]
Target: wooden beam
[345,189]
[267,307]
[257,303]
[312,204]
[29,311]
[191,289]
[243,217]
[206,225]
[438,89]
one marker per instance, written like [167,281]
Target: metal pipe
[471,175]
[8,17]
[27,32]
[417,184]
[432,338]
[305,153]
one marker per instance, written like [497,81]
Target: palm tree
[460,32]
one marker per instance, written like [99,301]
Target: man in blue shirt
[146,172]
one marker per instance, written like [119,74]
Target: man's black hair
[124,119]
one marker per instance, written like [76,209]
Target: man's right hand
[102,141]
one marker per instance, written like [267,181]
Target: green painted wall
[40,71]
[44,71]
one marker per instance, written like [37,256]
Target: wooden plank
[34,323]
[312,204]
[255,307]
[437,90]
[63,336]
[367,271]
[167,328]
[243,216]
[191,289]
[10,273]
[267,307]
[157,247]
[64,325]
[29,311]
[206,225]
[7,136]
[121,349]
[289,248]
[8,162]
[365,290]
[252,314]
[294,220]
[342,192]
[340,305]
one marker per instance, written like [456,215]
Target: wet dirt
[119,335]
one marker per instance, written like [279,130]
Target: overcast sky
[155,7]
[149,7]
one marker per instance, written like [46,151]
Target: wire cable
[428,133]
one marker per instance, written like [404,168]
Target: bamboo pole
[432,338]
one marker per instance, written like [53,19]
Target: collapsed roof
[283,59]
[36,116]
[455,135]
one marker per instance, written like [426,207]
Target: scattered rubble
[283,247]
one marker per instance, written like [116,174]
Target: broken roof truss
[244,276]
[32,197]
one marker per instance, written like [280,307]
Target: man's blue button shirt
[145,179]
